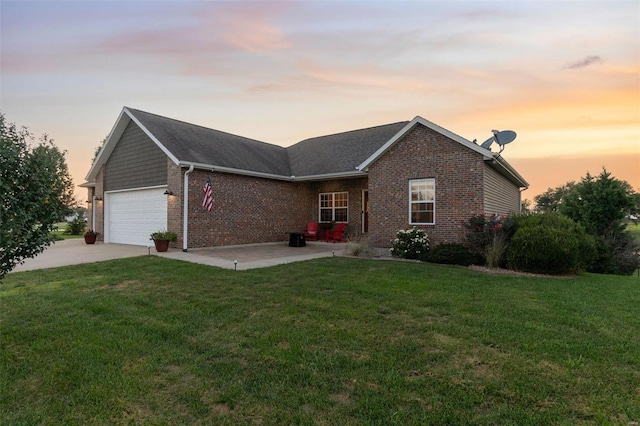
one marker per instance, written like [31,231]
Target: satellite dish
[500,137]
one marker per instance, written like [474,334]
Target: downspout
[185,209]
[93,214]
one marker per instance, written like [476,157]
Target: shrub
[490,235]
[76,226]
[410,243]
[164,235]
[617,253]
[358,245]
[495,252]
[550,244]
[455,254]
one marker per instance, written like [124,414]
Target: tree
[601,205]
[98,149]
[550,200]
[36,191]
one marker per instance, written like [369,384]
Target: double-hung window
[334,206]
[422,201]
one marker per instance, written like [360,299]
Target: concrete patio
[75,252]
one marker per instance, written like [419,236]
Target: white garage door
[133,215]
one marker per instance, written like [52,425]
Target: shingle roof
[197,144]
[337,153]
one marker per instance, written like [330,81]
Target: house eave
[87,185]
[307,178]
[118,129]
[331,176]
[214,168]
[500,165]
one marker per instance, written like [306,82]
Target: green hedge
[455,254]
[550,244]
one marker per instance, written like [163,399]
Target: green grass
[332,341]
[59,232]
[634,230]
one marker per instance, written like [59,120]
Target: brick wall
[246,210]
[424,153]
[354,188]
[249,210]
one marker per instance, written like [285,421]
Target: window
[422,201]
[334,206]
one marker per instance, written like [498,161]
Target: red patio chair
[311,231]
[336,234]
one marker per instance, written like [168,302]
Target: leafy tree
[36,191]
[550,200]
[601,204]
[634,213]
[98,148]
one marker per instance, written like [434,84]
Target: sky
[564,75]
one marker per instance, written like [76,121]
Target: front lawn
[634,230]
[331,341]
[59,232]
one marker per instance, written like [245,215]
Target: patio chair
[336,234]
[311,231]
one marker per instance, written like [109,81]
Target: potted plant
[90,236]
[161,239]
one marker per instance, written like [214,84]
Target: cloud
[583,63]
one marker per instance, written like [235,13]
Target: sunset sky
[564,75]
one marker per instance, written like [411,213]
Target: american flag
[208,196]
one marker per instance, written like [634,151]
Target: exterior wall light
[167,192]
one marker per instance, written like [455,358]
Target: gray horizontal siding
[136,162]
[500,195]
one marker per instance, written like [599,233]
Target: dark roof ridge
[350,131]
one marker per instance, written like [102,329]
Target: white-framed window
[334,206]
[422,201]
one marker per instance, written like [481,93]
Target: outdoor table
[296,239]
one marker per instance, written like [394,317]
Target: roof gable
[339,155]
[190,143]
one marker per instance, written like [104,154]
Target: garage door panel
[134,215]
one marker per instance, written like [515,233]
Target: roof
[346,154]
[338,153]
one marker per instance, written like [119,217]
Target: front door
[365,211]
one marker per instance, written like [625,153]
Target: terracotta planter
[161,245]
[90,238]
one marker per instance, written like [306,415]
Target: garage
[131,216]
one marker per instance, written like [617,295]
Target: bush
[76,226]
[410,243]
[358,246]
[455,254]
[163,235]
[481,230]
[616,254]
[490,235]
[549,244]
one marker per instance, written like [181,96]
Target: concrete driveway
[75,252]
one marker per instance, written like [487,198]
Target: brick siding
[424,153]
[249,210]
